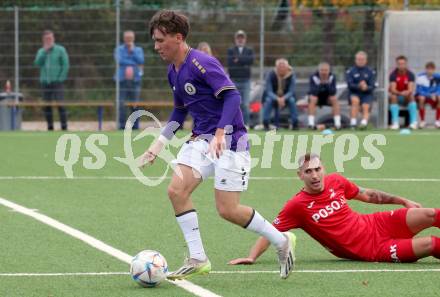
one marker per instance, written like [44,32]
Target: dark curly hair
[169,22]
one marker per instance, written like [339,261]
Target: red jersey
[402,80]
[327,217]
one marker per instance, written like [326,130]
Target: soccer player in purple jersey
[218,146]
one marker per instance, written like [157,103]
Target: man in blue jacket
[360,83]
[279,92]
[322,91]
[131,68]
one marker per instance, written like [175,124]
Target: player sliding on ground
[202,88]
[321,210]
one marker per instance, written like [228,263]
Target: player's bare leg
[419,219]
[426,246]
[336,111]
[179,192]
[422,247]
[365,114]
[437,112]
[180,188]
[421,102]
[313,100]
[355,102]
[229,207]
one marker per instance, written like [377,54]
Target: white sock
[364,122]
[337,120]
[189,224]
[353,121]
[262,227]
[311,120]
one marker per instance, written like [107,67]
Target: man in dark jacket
[323,92]
[360,83]
[279,92]
[240,60]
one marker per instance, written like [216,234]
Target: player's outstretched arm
[256,251]
[379,197]
[151,153]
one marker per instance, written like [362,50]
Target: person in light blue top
[131,68]
[279,92]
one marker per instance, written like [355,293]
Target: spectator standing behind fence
[322,91]
[53,61]
[360,83]
[131,69]
[428,92]
[279,92]
[402,86]
[240,60]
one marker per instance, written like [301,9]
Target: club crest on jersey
[190,89]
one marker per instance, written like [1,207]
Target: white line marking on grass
[99,245]
[19,274]
[375,179]
[222,272]
[326,271]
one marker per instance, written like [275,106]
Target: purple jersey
[197,87]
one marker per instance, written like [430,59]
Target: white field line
[378,179]
[329,271]
[99,245]
[224,272]
[387,133]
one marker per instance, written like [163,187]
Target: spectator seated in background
[402,93]
[322,91]
[360,83]
[279,92]
[428,92]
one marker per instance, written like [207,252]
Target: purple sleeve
[177,117]
[175,122]
[215,76]
[231,106]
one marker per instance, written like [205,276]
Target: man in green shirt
[53,61]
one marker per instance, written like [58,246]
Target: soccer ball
[149,268]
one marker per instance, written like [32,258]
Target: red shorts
[393,237]
[432,102]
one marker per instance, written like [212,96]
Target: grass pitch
[112,206]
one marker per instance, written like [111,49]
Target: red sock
[437,218]
[437,114]
[422,114]
[435,247]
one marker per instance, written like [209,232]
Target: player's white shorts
[231,170]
